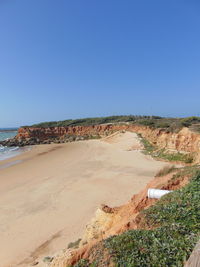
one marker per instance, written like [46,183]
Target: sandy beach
[52,192]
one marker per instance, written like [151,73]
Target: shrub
[190,120]
[177,156]
[170,124]
[74,244]
[165,170]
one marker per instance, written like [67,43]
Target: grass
[74,244]
[174,223]
[84,263]
[165,170]
[189,171]
[163,154]
[148,147]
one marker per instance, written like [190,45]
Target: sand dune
[50,195]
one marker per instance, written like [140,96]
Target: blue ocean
[8,152]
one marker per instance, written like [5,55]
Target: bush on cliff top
[170,124]
[175,220]
[95,121]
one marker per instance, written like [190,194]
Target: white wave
[9,152]
[14,149]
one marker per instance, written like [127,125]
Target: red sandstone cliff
[185,140]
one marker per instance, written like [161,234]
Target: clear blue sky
[64,59]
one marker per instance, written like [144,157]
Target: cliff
[183,141]
[110,222]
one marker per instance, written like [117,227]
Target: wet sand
[52,192]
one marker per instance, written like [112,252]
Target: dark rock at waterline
[20,142]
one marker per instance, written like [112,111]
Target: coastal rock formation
[183,141]
[34,140]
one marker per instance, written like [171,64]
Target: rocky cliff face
[184,140]
[53,132]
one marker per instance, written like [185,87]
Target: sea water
[8,152]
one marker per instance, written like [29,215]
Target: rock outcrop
[183,141]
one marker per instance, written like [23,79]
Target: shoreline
[64,184]
[9,164]
[13,153]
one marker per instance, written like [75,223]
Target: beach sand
[52,192]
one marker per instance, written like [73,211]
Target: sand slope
[47,199]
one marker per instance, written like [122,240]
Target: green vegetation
[95,121]
[85,263]
[166,170]
[47,259]
[163,154]
[74,244]
[188,171]
[148,147]
[189,121]
[170,124]
[174,229]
